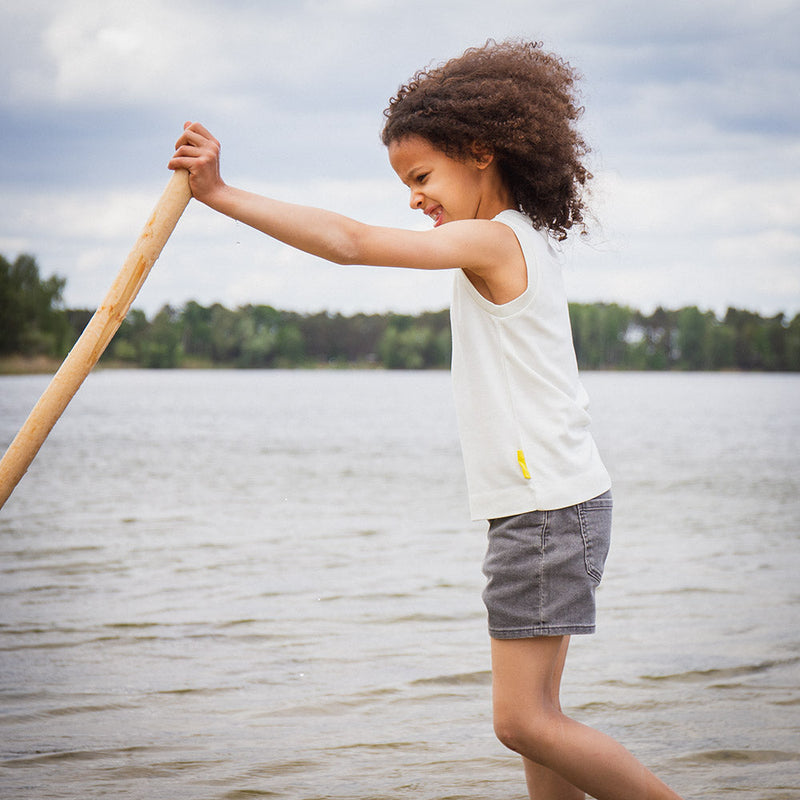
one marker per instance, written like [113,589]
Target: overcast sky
[691,112]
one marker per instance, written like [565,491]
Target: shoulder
[497,265]
[482,241]
[537,244]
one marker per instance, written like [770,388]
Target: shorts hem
[540,630]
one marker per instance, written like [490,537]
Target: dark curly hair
[516,101]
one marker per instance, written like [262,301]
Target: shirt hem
[509,502]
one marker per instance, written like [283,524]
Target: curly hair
[516,101]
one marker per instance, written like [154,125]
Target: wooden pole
[97,334]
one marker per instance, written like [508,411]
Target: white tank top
[522,410]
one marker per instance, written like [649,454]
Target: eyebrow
[414,173]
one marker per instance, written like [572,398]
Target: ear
[482,154]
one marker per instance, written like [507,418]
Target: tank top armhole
[524,232]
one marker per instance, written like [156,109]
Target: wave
[722,673]
[740,756]
[75,755]
[481,678]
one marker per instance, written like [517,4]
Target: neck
[496,196]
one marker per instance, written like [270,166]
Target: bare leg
[528,721]
[543,783]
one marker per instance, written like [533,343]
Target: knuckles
[203,153]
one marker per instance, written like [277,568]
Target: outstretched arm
[322,233]
[478,245]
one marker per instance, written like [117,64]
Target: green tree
[793,344]
[290,348]
[255,343]
[747,338]
[694,337]
[412,346]
[776,337]
[32,318]
[162,342]
[721,347]
[660,335]
[196,332]
[129,342]
[599,332]
[225,342]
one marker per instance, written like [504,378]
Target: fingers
[189,138]
[196,127]
[181,162]
[194,147]
[197,151]
[186,156]
[195,134]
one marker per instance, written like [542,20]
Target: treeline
[33,322]
[262,336]
[609,336]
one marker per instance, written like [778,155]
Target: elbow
[350,246]
[344,257]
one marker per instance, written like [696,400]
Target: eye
[422,177]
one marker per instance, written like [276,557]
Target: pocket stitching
[591,570]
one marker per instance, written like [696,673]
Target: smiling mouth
[436,213]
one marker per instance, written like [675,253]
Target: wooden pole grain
[96,336]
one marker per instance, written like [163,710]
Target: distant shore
[28,365]
[46,365]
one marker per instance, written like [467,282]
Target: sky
[691,114]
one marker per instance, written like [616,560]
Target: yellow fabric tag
[523,466]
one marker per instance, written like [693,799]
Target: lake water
[223,584]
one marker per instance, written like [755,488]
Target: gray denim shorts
[543,567]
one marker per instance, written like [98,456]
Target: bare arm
[477,245]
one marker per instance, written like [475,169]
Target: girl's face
[444,188]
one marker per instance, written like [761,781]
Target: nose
[416,199]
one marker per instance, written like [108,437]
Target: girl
[487,146]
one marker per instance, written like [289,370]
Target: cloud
[689,113]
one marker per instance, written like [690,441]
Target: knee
[530,735]
[507,731]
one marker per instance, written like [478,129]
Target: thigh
[526,674]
